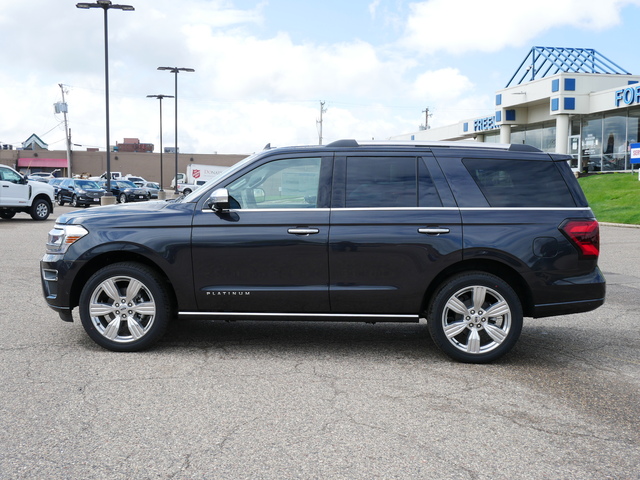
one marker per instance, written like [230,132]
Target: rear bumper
[573,295]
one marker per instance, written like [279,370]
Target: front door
[269,252]
[13,192]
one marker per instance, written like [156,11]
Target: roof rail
[417,143]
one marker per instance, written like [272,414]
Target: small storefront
[58,166]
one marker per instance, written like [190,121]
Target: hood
[131,214]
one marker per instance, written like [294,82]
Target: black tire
[40,209]
[7,214]
[146,313]
[60,200]
[186,191]
[122,198]
[74,201]
[475,317]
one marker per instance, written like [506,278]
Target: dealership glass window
[548,138]
[633,128]
[591,143]
[614,154]
[517,136]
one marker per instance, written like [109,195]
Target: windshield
[87,184]
[193,196]
[125,184]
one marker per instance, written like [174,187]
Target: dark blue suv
[471,237]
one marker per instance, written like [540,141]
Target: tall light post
[105,5]
[161,193]
[176,70]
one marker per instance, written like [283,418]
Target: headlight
[63,236]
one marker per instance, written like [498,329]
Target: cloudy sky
[262,67]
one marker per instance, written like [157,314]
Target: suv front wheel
[125,307]
[475,317]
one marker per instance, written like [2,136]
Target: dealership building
[562,100]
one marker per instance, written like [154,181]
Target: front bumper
[54,287]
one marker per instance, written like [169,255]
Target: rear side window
[520,183]
[379,182]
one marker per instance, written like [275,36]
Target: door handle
[433,230]
[303,231]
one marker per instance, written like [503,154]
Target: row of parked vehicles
[79,192]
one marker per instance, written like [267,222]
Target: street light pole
[161,193]
[105,5]
[176,70]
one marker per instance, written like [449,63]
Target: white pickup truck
[17,194]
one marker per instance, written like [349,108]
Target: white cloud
[460,26]
[253,84]
[441,84]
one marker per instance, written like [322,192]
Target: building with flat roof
[562,100]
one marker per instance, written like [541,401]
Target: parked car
[55,183]
[41,176]
[470,236]
[125,191]
[114,176]
[19,194]
[152,188]
[79,192]
[135,179]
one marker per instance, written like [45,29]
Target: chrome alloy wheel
[476,319]
[122,309]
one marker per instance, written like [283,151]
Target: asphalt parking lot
[250,400]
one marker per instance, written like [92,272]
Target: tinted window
[378,182]
[520,183]
[288,183]
[427,193]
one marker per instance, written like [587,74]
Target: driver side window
[9,176]
[287,183]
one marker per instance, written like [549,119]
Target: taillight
[584,234]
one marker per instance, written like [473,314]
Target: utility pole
[319,122]
[426,119]
[67,132]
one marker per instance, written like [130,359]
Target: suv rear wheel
[475,317]
[125,307]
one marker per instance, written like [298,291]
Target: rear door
[394,227]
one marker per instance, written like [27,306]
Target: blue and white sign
[628,96]
[482,124]
[634,153]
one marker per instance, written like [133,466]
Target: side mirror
[219,200]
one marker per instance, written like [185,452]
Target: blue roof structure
[543,61]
